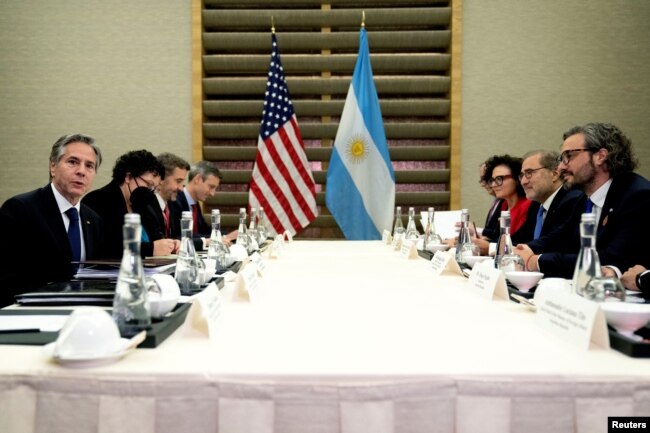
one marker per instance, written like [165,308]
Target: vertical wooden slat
[455,138]
[197,80]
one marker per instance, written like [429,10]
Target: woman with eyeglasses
[502,174]
[136,174]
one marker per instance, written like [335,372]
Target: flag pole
[272,26]
[363,18]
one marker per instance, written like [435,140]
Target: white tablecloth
[343,337]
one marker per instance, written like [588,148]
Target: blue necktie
[74,236]
[540,222]
[589,206]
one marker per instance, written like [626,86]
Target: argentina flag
[360,189]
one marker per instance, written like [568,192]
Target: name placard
[259,263]
[247,283]
[488,282]
[203,318]
[570,317]
[386,237]
[444,261]
[409,249]
[273,251]
[397,242]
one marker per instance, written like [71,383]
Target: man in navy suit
[543,183]
[598,159]
[37,247]
[203,181]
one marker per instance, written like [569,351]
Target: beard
[580,178]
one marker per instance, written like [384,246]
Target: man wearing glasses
[543,183]
[136,175]
[51,222]
[598,159]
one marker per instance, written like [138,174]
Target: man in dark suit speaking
[48,228]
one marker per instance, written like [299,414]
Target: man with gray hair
[203,181]
[543,183]
[51,221]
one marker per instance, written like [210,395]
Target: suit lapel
[54,220]
[88,226]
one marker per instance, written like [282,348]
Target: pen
[18,331]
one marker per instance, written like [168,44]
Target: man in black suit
[543,183]
[37,246]
[203,181]
[598,159]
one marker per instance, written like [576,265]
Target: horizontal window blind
[410,50]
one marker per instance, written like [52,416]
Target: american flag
[282,182]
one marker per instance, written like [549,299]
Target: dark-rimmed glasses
[498,180]
[149,186]
[528,173]
[566,156]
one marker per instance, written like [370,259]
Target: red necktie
[166,218]
[195,217]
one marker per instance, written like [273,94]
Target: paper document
[32,321]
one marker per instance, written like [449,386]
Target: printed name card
[386,237]
[570,317]
[409,249]
[488,281]
[273,251]
[247,283]
[203,318]
[444,261]
[397,242]
[259,263]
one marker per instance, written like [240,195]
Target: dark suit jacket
[562,208]
[645,284]
[204,229]
[175,210]
[522,235]
[492,225]
[621,230]
[145,203]
[109,203]
[36,249]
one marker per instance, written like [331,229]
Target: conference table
[341,336]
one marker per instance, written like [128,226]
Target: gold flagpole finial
[363,18]
[272,25]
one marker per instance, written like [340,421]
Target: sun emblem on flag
[356,149]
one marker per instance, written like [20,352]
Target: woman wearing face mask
[135,176]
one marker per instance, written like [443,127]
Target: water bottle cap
[186,214]
[588,217]
[216,212]
[131,218]
[505,213]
